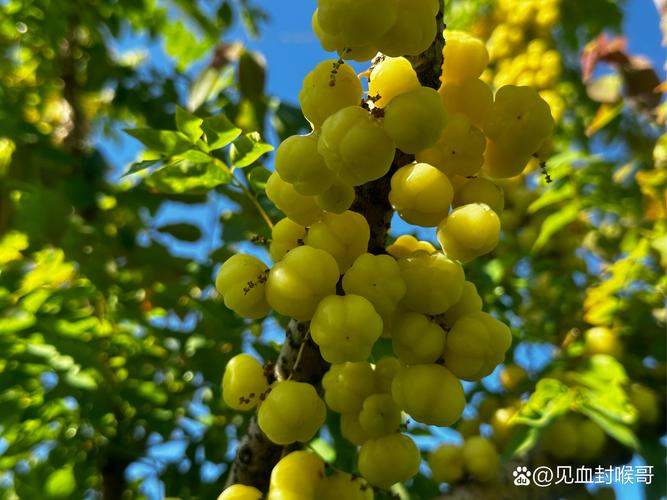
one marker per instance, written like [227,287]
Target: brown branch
[256,455]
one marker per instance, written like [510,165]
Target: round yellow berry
[299,163]
[243,382]
[469,232]
[301,209]
[389,460]
[241,282]
[285,236]
[344,236]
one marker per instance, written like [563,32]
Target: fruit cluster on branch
[424,140]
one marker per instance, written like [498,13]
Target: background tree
[111,344]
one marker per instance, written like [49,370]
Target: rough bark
[256,455]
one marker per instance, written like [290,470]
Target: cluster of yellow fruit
[359,29]
[413,294]
[302,475]
[521,47]
[477,457]
[573,437]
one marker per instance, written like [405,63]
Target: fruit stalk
[300,358]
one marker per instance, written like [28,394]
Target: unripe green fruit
[480,190]
[430,394]
[242,281]
[347,385]
[413,31]
[646,403]
[561,439]
[476,344]
[331,43]
[389,460]
[415,120]
[319,99]
[243,382]
[379,416]
[291,412]
[345,328]
[378,279]
[355,146]
[592,440]
[480,459]
[421,194]
[297,283]
[416,339]
[512,376]
[299,208]
[285,236]
[351,429]
[337,199]
[357,22]
[434,282]
[299,163]
[344,236]
[469,302]
[469,232]
[446,463]
[385,371]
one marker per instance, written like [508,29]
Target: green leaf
[167,142]
[247,149]
[143,165]
[219,131]
[187,177]
[81,379]
[551,399]
[60,483]
[618,430]
[554,223]
[17,321]
[552,196]
[252,75]
[208,84]
[258,177]
[189,124]
[522,440]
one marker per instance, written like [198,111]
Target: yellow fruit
[291,412]
[460,149]
[350,429]
[343,486]
[465,57]
[357,22]
[331,43]
[414,30]
[379,416]
[385,370]
[434,282]
[299,163]
[406,245]
[347,385]
[446,463]
[519,121]
[416,339]
[512,376]
[391,77]
[646,403]
[469,232]
[480,459]
[501,164]
[592,440]
[243,382]
[476,344]
[430,394]
[480,190]
[472,98]
[355,146]
[378,279]
[389,460]
[344,236]
[468,428]
[602,340]
[301,209]
[296,476]
[415,120]
[337,199]
[297,283]
[285,236]
[469,302]
[240,492]
[421,194]
[320,99]
[561,438]
[345,328]
[501,423]
[241,282]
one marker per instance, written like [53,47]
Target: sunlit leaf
[247,149]
[219,131]
[167,142]
[188,124]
